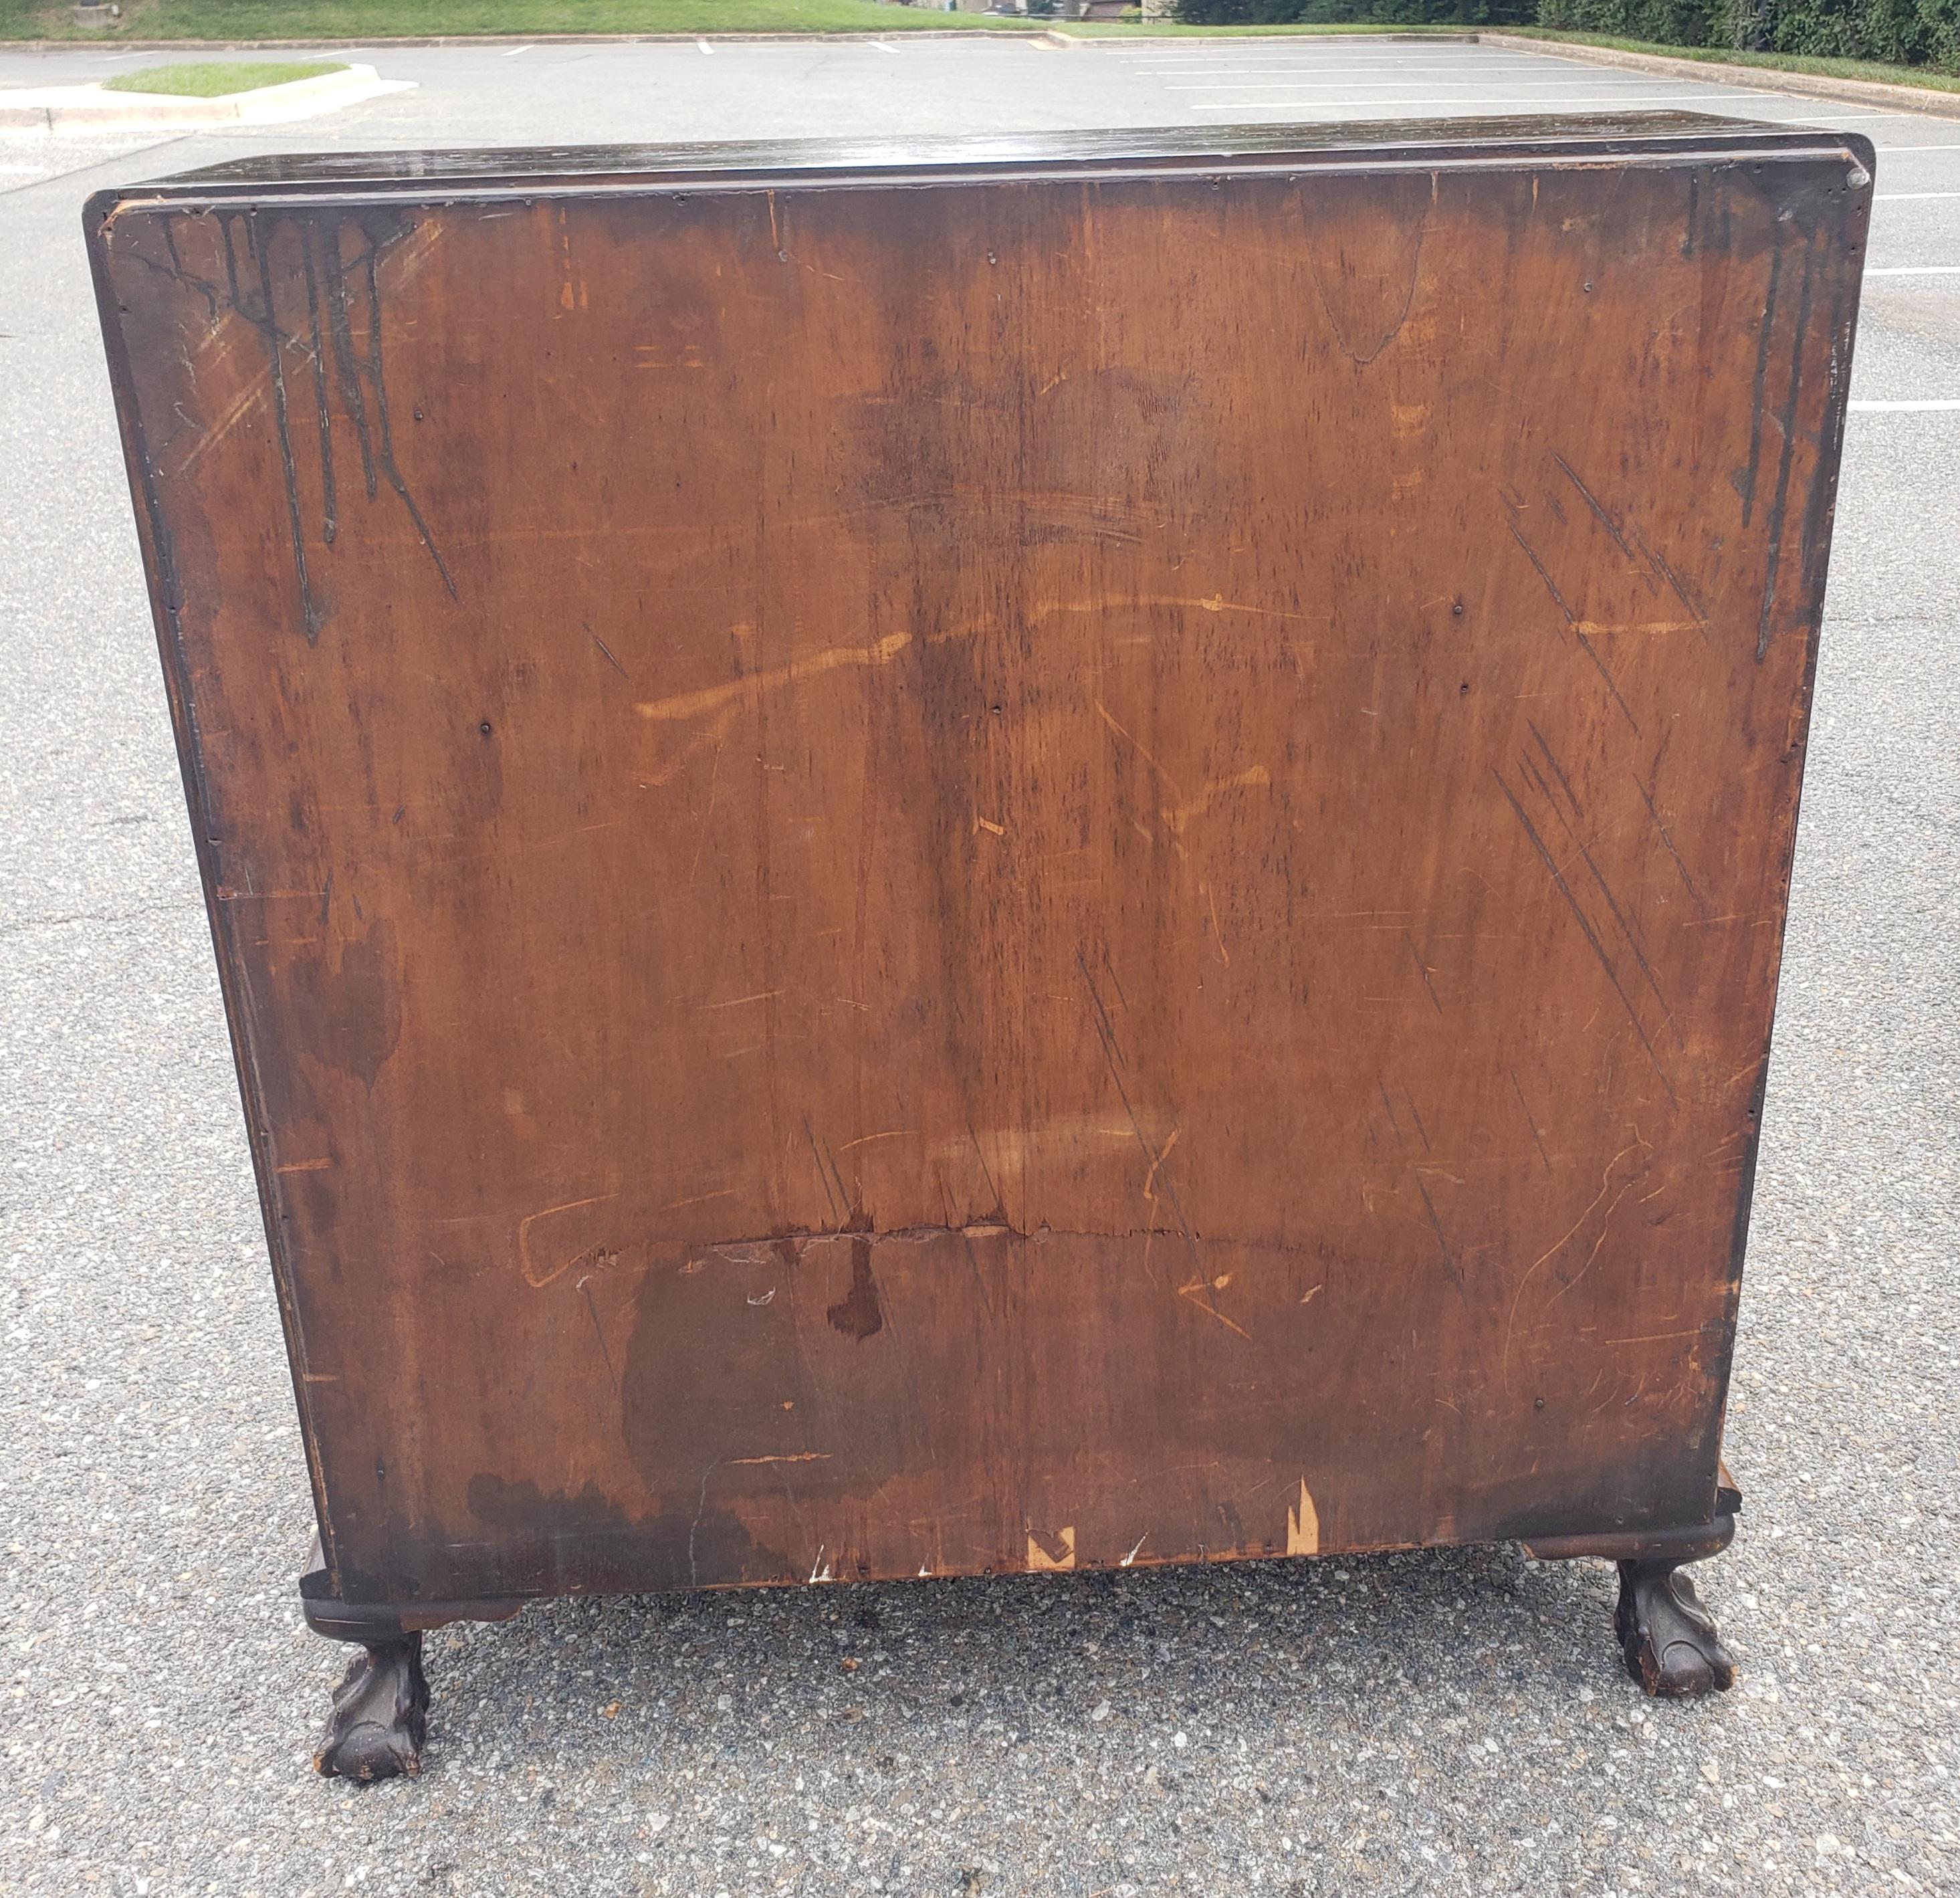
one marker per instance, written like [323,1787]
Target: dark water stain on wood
[858,1314]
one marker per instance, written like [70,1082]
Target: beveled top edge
[368,173]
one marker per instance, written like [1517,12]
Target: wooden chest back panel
[996,873]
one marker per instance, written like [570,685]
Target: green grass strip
[209,79]
[1924,76]
[361,21]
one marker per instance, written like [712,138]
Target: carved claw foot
[1669,1638]
[381,1713]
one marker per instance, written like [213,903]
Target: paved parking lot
[1447,1722]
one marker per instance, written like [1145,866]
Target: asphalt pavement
[1446,1722]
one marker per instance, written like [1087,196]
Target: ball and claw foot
[380,1714]
[1668,1637]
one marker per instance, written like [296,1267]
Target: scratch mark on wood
[535,1276]
[1524,1107]
[1572,623]
[1175,820]
[599,1332]
[1422,969]
[1449,1264]
[1564,783]
[751,686]
[1558,1245]
[1200,1291]
[1302,1524]
[1591,936]
[1104,712]
[610,659]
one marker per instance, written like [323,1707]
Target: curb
[1810,85]
[530,39]
[54,107]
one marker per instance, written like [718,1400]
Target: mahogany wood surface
[962,859]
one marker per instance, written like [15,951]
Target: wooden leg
[380,1713]
[380,1710]
[1668,1639]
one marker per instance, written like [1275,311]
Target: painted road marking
[1916,270]
[705,48]
[1909,197]
[1382,105]
[882,47]
[1900,408]
[1384,85]
[515,50]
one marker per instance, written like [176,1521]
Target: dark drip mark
[347,374]
[353,369]
[1687,881]
[606,650]
[1694,218]
[1536,1140]
[1787,422]
[859,1315]
[281,419]
[1763,341]
[208,291]
[329,525]
[1591,937]
[1415,956]
[1415,1114]
[1572,623]
[385,458]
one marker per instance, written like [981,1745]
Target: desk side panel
[998,876]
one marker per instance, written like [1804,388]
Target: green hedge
[1665,22]
[1899,33]
[1367,13]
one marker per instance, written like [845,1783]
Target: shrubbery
[1903,32]
[1376,13]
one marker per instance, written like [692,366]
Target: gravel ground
[1445,1722]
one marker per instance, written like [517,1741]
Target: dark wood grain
[923,869]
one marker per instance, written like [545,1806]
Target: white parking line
[1322,66]
[1916,270]
[1607,91]
[882,47]
[1909,197]
[1900,408]
[515,50]
[1400,105]
[705,48]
